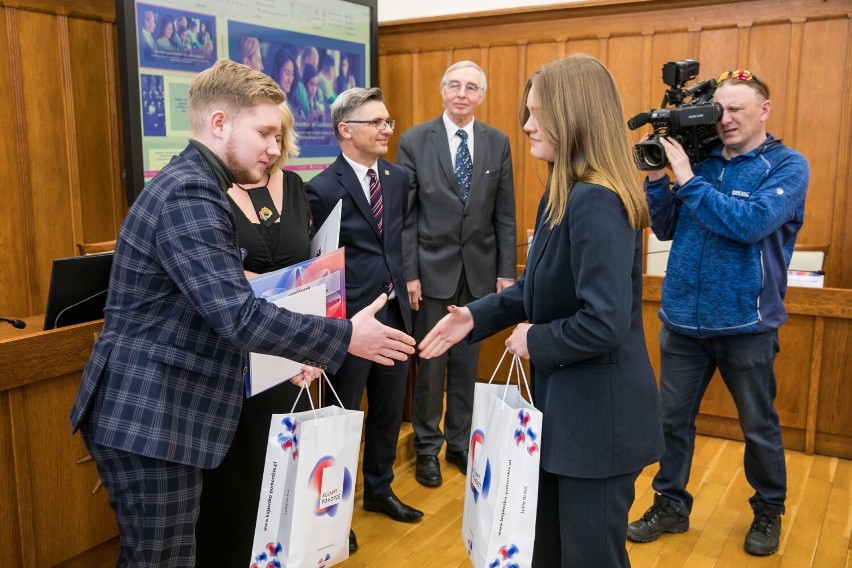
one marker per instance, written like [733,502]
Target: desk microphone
[16,323]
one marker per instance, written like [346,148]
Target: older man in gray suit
[458,245]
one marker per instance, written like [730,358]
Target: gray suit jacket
[443,233]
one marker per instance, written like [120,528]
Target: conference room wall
[800,47]
[60,131]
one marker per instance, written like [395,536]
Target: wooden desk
[813,372]
[49,512]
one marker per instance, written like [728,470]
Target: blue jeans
[746,364]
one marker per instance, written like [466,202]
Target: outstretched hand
[449,330]
[375,341]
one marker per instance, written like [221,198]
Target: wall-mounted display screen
[314,49]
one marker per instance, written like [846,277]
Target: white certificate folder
[315,286]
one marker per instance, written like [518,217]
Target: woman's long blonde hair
[289,140]
[580,115]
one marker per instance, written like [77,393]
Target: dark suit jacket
[593,382]
[165,378]
[442,232]
[369,257]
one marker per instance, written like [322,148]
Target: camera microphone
[16,323]
[640,119]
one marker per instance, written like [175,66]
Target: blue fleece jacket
[733,227]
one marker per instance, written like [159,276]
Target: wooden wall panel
[624,60]
[95,109]
[10,537]
[818,130]
[427,83]
[532,176]
[835,400]
[52,189]
[718,50]
[796,338]
[85,515]
[589,46]
[15,278]
[773,67]
[397,82]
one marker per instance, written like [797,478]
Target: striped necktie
[377,208]
[375,197]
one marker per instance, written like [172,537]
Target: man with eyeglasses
[459,245]
[373,193]
[733,220]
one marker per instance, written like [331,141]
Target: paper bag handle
[518,367]
[306,388]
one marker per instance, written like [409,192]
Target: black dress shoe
[428,471]
[393,508]
[353,542]
[458,459]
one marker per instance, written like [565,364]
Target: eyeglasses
[456,87]
[745,76]
[378,123]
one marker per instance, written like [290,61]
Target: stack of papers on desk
[805,279]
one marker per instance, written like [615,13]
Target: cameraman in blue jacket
[733,221]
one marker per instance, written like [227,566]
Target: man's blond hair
[232,87]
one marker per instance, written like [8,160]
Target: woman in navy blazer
[581,294]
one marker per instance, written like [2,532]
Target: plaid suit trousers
[156,504]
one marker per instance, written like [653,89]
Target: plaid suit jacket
[165,378]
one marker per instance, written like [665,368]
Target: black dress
[230,494]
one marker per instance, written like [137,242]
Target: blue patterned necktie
[464,165]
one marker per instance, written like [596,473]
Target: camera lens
[649,155]
[655,156]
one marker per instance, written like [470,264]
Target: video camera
[692,124]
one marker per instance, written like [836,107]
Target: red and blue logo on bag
[288,439]
[524,435]
[269,557]
[323,561]
[505,556]
[315,483]
[480,481]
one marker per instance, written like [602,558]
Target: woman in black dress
[274,227]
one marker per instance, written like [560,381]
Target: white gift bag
[501,494]
[307,494]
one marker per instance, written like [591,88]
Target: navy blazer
[444,233]
[165,378]
[371,260]
[593,381]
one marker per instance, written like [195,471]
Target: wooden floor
[816,529]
